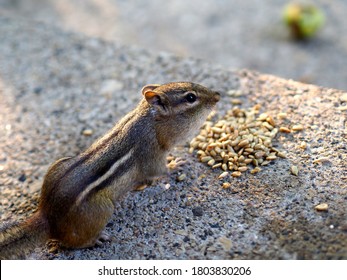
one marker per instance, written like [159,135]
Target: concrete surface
[54,85]
[236,34]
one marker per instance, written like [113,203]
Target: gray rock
[269,215]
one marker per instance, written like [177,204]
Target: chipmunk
[79,193]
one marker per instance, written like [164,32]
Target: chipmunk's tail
[18,238]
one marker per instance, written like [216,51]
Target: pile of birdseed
[239,141]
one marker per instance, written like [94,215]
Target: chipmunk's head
[180,98]
[181,107]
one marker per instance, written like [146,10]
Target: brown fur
[79,193]
[18,238]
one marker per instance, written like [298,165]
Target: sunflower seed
[285,129]
[294,170]
[181,177]
[226,185]
[236,174]
[87,132]
[322,207]
[297,127]
[224,174]
[282,115]
[243,168]
[255,170]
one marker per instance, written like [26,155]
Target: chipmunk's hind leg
[84,225]
[103,237]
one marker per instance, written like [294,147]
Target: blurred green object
[303,20]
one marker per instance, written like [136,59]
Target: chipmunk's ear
[153,98]
[157,102]
[149,88]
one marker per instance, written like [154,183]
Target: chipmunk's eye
[191,97]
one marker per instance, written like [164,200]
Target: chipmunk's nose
[217,96]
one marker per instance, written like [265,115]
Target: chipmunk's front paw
[143,185]
[175,162]
[53,246]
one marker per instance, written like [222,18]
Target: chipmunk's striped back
[78,193]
